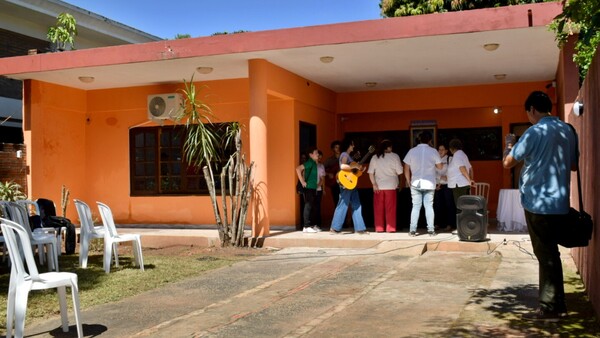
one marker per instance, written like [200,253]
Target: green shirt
[311,174]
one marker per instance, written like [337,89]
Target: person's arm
[374,182]
[407,174]
[466,174]
[344,163]
[508,161]
[299,170]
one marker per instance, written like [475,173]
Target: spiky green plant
[11,191]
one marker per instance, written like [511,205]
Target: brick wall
[13,168]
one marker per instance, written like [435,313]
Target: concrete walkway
[380,285]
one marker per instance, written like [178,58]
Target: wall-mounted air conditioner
[164,106]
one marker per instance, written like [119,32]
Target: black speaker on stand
[472,220]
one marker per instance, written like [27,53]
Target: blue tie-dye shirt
[548,149]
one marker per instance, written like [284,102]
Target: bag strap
[577,166]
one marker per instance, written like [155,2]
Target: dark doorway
[308,138]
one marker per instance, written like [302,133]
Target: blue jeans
[348,198]
[421,197]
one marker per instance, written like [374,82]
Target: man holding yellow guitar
[348,177]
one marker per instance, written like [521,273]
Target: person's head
[348,145]
[425,137]
[335,147]
[455,144]
[320,155]
[385,146]
[313,153]
[537,105]
[442,150]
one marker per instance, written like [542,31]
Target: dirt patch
[228,253]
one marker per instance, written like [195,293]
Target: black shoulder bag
[576,230]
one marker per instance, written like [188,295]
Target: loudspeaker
[472,220]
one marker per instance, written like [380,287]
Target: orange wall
[56,151]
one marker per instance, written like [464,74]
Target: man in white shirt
[460,171]
[419,169]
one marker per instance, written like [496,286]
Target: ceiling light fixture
[490,47]
[86,79]
[499,76]
[497,110]
[370,84]
[204,70]
[326,59]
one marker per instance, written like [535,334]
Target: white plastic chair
[42,239]
[33,209]
[24,280]
[112,238]
[482,189]
[88,231]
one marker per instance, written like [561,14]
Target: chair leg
[21,296]
[62,300]
[139,258]
[75,295]
[116,251]
[83,251]
[10,305]
[107,255]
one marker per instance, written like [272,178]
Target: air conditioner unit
[164,106]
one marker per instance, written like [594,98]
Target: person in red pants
[384,171]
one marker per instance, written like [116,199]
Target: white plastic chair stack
[112,239]
[34,209]
[3,214]
[22,281]
[42,240]
[88,231]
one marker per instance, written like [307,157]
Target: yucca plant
[11,191]
[201,148]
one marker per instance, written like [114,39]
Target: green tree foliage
[395,8]
[583,17]
[63,33]
[182,36]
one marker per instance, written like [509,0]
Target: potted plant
[62,35]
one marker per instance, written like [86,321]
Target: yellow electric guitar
[349,178]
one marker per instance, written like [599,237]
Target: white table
[510,213]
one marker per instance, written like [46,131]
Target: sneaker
[363,232]
[310,230]
[412,233]
[541,315]
[316,227]
[334,232]
[431,233]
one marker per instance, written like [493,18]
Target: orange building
[84,109]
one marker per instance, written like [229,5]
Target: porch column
[257,73]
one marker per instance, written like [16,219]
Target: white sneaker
[309,230]
[316,227]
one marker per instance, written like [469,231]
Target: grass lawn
[161,266]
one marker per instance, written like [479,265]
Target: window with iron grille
[158,166]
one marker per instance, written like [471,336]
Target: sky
[166,19]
